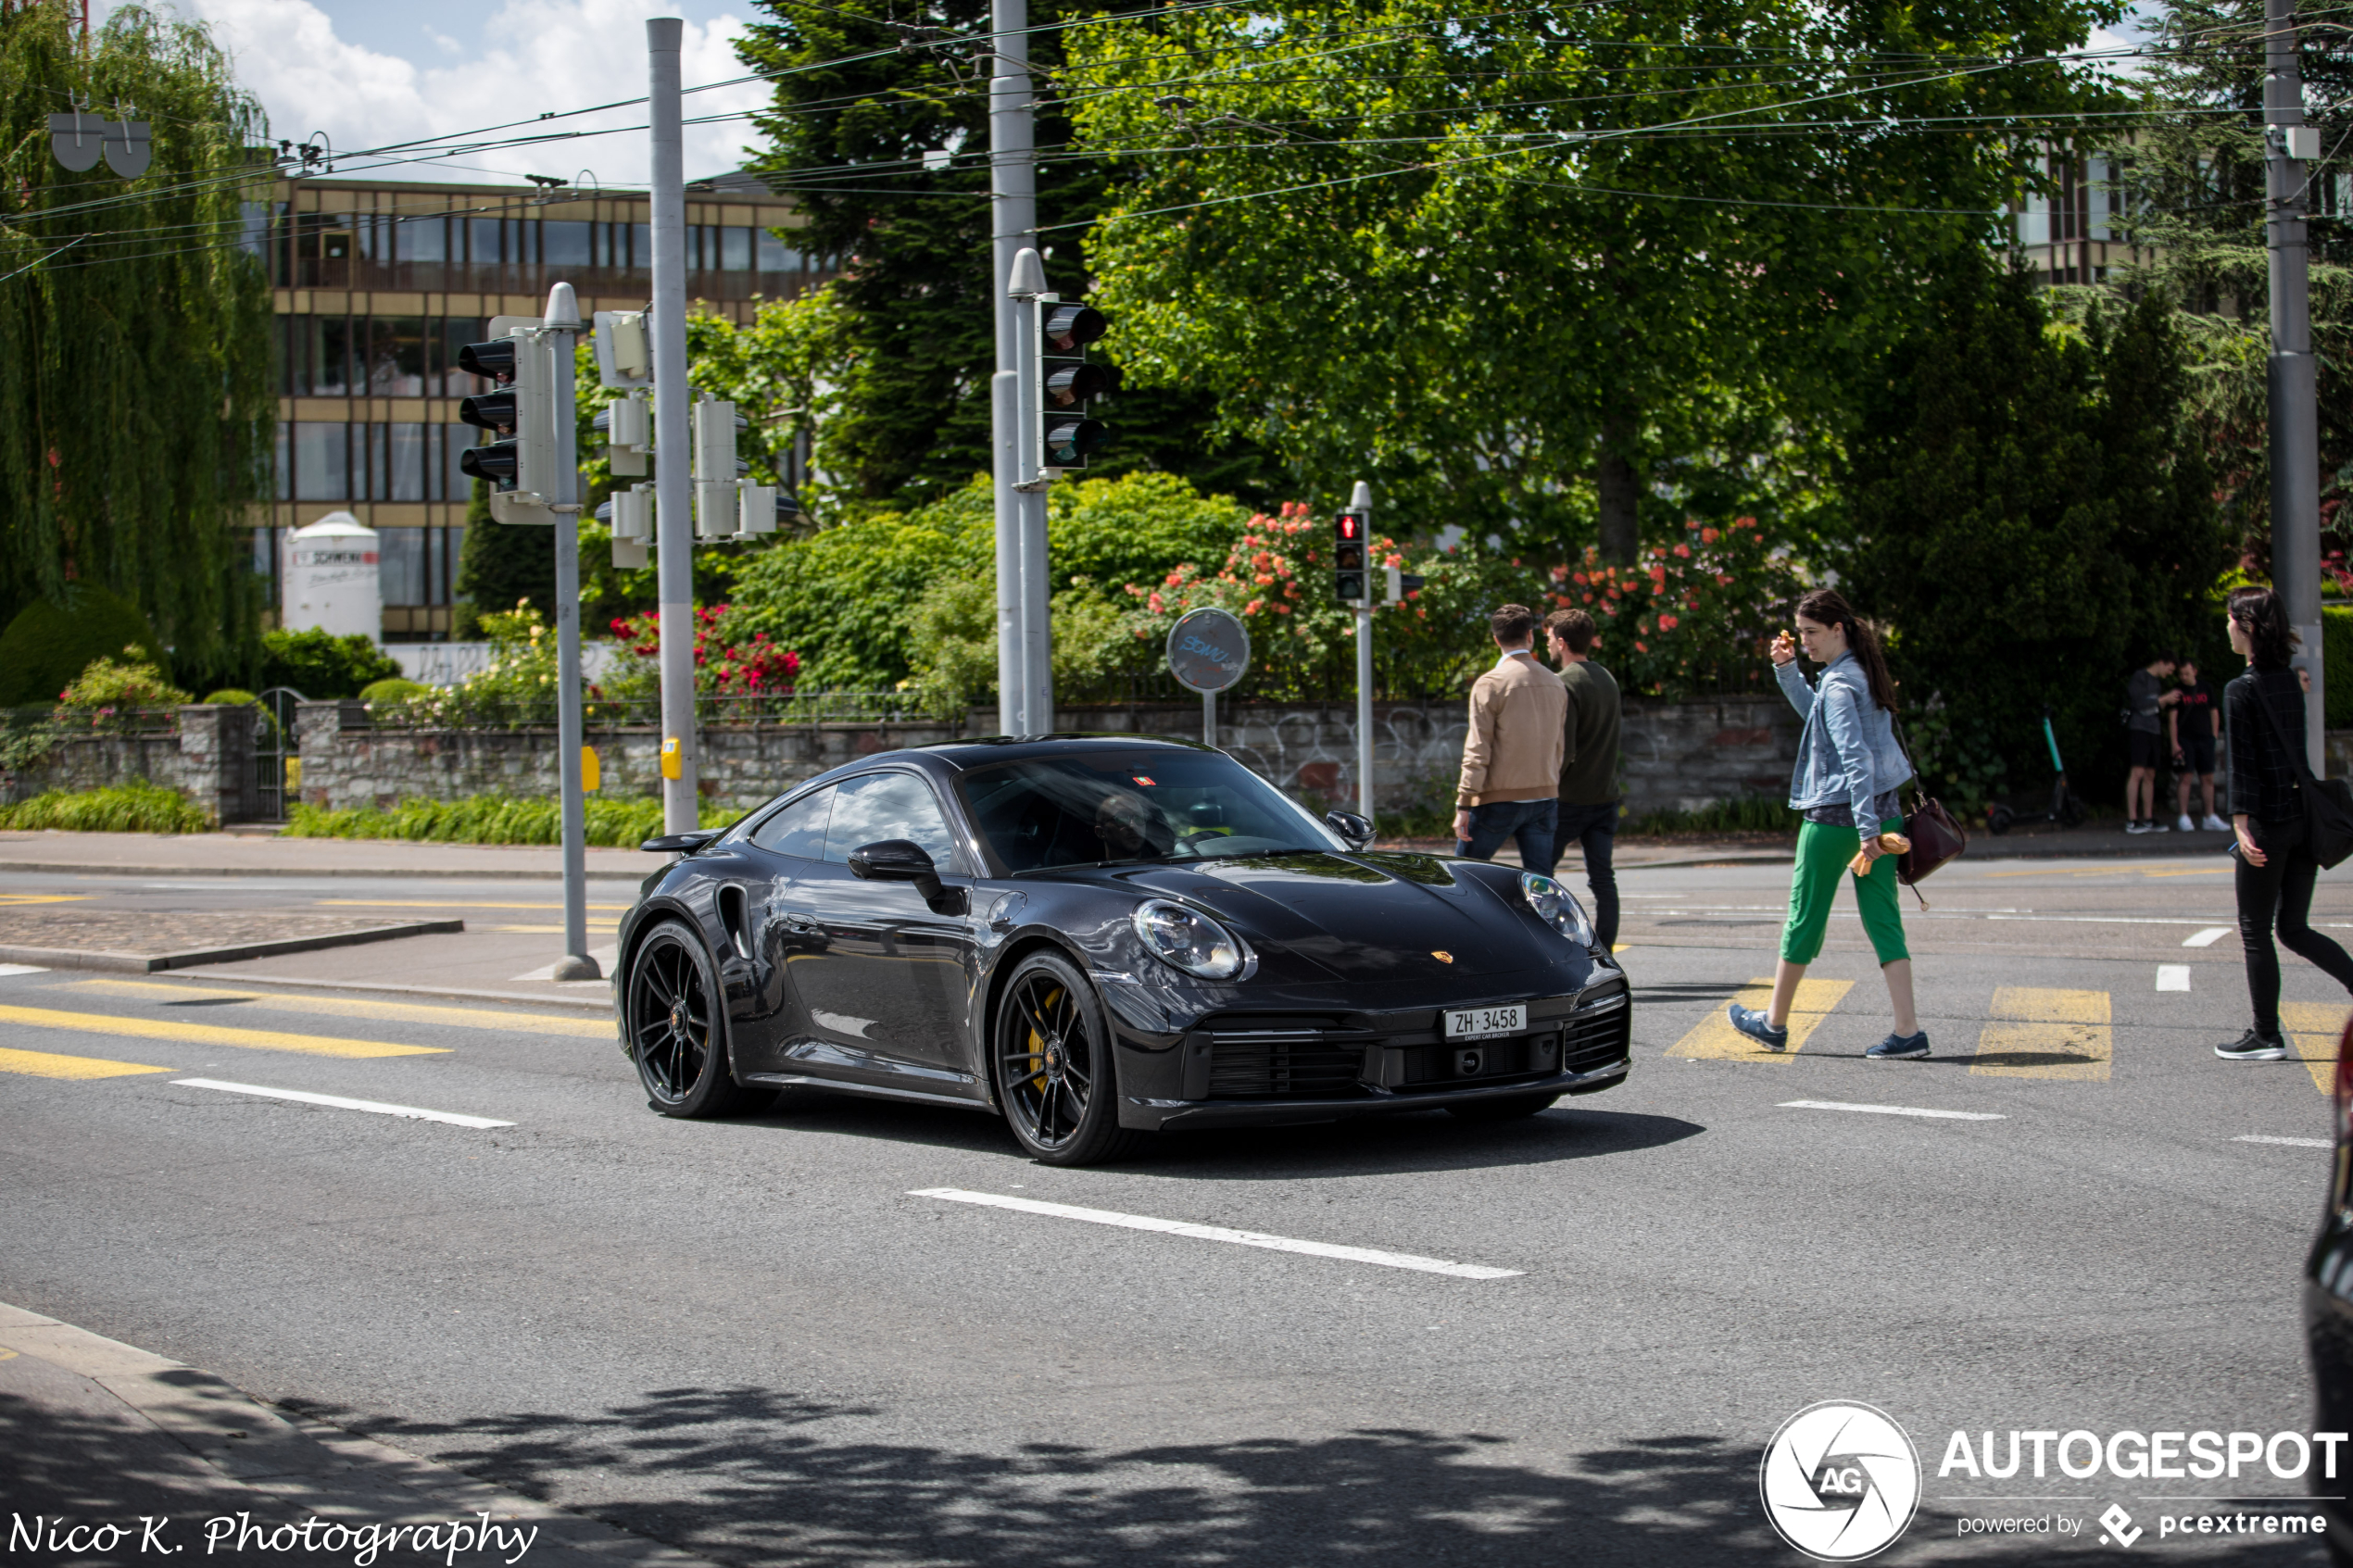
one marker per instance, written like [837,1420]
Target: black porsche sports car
[1100,936]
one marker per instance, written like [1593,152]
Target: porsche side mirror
[1356,830]
[680,843]
[896,859]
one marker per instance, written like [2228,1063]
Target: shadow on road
[1398,1143]
[747,1475]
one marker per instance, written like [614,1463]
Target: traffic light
[1350,584]
[628,424]
[1400,582]
[521,466]
[718,500]
[1068,384]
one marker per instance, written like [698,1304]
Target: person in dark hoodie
[2263,716]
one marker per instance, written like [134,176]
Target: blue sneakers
[1751,1023]
[1897,1047]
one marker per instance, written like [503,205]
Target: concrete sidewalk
[229,854]
[122,1454]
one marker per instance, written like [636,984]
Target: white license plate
[1477,1023]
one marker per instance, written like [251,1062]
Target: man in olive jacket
[1589,763]
[1512,755]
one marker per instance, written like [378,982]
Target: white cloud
[533,56]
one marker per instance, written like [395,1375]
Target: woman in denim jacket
[1849,769]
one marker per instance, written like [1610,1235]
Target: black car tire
[1052,1061]
[1503,1107]
[1998,820]
[678,1027]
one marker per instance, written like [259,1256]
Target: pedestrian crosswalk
[2029,1031]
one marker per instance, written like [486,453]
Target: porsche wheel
[1054,1072]
[678,1032]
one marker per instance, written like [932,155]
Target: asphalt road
[757,1340]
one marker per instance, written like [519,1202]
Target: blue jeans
[1594,829]
[1529,822]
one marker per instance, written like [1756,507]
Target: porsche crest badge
[1441,955]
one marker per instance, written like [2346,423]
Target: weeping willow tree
[135,401]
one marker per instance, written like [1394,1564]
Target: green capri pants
[1822,854]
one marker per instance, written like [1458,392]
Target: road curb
[494,874]
[286,1467]
[151,963]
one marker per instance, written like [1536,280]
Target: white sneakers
[2184,825]
[2214,823]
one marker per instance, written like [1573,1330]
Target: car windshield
[1103,807]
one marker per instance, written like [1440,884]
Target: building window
[734,250]
[773,254]
[456,332]
[482,241]
[423,239]
[407,452]
[321,465]
[564,244]
[400,565]
[456,485]
[396,356]
[286,460]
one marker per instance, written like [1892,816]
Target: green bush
[136,806]
[121,686]
[48,644]
[321,666]
[2336,665]
[492,819]
[393,690]
[231,697]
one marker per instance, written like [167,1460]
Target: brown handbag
[1935,836]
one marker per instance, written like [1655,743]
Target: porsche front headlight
[1558,908]
[1189,940]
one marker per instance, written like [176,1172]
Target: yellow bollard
[590,773]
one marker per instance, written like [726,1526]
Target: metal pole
[1209,718]
[1037,589]
[1012,185]
[563,323]
[2295,462]
[673,523]
[1360,502]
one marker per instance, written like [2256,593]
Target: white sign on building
[330,578]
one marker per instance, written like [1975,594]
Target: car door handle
[803,925]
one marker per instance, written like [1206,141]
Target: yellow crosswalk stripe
[438,904]
[2312,1029]
[210,1033]
[42,1064]
[1716,1040]
[590,1028]
[2038,1033]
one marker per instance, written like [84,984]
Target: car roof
[985,750]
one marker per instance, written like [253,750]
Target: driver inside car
[1130,825]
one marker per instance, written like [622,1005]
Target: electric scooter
[2066,811]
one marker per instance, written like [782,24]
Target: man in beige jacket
[1512,756]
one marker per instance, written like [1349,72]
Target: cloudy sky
[370,73]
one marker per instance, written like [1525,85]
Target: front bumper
[1277,1068]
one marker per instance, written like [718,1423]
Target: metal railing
[453,710]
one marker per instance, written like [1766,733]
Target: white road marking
[1219,1233]
[1893,1111]
[2206,938]
[2292,1143]
[339,1103]
[2172,977]
[606,958]
[23,969]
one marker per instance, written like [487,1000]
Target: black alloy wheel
[1054,1072]
[677,1033]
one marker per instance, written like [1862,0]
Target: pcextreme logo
[1840,1481]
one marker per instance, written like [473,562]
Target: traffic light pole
[1013,188]
[1360,502]
[2296,462]
[562,323]
[673,523]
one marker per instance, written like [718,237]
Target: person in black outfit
[2263,716]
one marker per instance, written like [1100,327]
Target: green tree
[1529,263]
[502,565]
[2034,517]
[854,117]
[135,401]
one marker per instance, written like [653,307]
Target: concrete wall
[208,758]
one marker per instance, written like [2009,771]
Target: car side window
[881,806]
[799,829]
